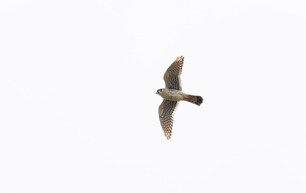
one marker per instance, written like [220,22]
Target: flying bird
[172,94]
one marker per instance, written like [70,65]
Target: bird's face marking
[159,91]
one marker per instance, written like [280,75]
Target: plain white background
[78,110]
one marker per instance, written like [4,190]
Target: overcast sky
[78,109]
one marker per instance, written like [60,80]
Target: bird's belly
[174,95]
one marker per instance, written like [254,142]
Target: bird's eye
[160,90]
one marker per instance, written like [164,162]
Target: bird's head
[159,91]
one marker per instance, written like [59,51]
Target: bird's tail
[193,99]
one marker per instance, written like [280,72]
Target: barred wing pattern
[173,73]
[166,110]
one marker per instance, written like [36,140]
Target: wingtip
[168,136]
[180,59]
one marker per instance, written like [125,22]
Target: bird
[172,94]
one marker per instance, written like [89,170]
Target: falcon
[172,94]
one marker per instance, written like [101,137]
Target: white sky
[78,110]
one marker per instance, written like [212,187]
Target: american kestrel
[172,94]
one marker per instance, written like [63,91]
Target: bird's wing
[165,111]
[173,73]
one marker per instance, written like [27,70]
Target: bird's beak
[156,92]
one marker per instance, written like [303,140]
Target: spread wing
[173,73]
[165,111]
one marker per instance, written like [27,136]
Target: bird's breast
[172,95]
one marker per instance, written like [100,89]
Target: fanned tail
[198,100]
